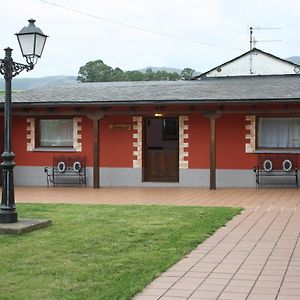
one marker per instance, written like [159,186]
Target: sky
[133,34]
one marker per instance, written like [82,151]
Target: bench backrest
[69,161]
[277,160]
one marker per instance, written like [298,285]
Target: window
[278,133]
[55,133]
[170,128]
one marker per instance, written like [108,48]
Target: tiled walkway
[255,256]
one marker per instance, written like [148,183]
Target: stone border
[23,226]
[137,141]
[250,134]
[183,142]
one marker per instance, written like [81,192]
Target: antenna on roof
[253,41]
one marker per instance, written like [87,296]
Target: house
[205,132]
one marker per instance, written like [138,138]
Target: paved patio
[255,256]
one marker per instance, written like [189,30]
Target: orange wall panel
[116,146]
[230,141]
[198,142]
[37,158]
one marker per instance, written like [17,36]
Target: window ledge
[53,149]
[277,151]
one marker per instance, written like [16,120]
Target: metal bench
[279,165]
[66,170]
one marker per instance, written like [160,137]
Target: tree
[187,73]
[95,71]
[98,71]
[118,75]
[134,76]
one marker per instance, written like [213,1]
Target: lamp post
[31,40]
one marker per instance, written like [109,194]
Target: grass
[100,251]
[2,93]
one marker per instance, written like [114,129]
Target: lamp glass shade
[31,40]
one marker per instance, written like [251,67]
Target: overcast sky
[133,34]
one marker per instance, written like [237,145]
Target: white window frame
[260,146]
[31,136]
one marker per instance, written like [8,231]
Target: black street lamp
[31,40]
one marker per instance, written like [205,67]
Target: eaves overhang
[177,102]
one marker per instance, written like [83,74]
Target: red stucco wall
[116,147]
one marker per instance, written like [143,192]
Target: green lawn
[100,251]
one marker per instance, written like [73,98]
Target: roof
[254,51]
[211,90]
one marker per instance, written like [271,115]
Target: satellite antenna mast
[253,41]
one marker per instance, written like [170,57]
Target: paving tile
[188,283]
[290,285]
[211,287]
[144,297]
[192,274]
[290,291]
[203,267]
[293,272]
[227,268]
[270,278]
[287,297]
[237,289]
[171,298]
[178,293]
[247,271]
[153,292]
[173,273]
[164,278]
[219,275]
[268,284]
[278,262]
[292,278]
[262,297]
[277,267]
[204,295]
[251,267]
[264,290]
[274,272]
[232,296]
[160,285]
[179,268]
[212,281]
[239,282]
[245,276]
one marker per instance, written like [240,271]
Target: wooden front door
[161,154]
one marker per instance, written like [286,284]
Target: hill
[294,59]
[31,83]
[169,70]
[156,69]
